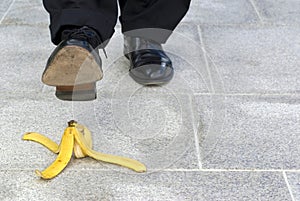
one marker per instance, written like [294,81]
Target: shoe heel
[82,92]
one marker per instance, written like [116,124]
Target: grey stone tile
[27,12]
[4,5]
[189,31]
[254,59]
[110,185]
[24,57]
[294,182]
[220,12]
[279,12]
[48,117]
[255,132]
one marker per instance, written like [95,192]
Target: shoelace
[84,33]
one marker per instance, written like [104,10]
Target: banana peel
[76,139]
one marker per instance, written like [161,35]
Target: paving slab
[254,59]
[110,185]
[257,132]
[24,57]
[221,12]
[279,12]
[20,116]
[294,182]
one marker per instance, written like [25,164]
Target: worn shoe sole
[72,68]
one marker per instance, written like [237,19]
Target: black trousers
[152,19]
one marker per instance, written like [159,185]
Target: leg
[101,15]
[146,24]
[159,17]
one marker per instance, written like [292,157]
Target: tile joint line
[195,131]
[288,185]
[256,11]
[205,58]
[8,9]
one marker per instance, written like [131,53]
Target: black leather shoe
[149,64]
[75,65]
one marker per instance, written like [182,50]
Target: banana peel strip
[87,136]
[122,161]
[43,140]
[63,157]
[76,138]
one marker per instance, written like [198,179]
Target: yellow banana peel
[123,161]
[88,137]
[78,139]
[64,156]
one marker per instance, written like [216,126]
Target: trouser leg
[161,16]
[100,15]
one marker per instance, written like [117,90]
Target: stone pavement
[226,128]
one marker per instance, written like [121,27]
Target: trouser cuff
[69,17]
[159,35]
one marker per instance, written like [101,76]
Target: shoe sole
[73,68]
[147,82]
